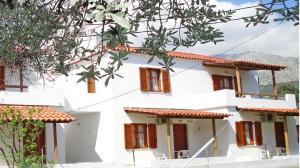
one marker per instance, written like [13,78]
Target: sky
[282,40]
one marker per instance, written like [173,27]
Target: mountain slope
[291,73]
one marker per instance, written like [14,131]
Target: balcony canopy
[279,111]
[177,113]
[40,113]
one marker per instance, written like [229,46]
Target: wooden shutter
[240,138]
[143,79]
[128,134]
[258,133]
[2,78]
[91,85]
[166,81]
[145,135]
[230,82]
[216,82]
[251,132]
[152,136]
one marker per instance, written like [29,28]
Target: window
[2,78]
[91,85]
[156,80]
[140,136]
[244,133]
[222,82]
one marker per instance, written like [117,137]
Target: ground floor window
[245,133]
[140,136]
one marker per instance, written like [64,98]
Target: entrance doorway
[279,134]
[180,137]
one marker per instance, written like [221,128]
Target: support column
[286,136]
[55,154]
[238,80]
[169,139]
[21,77]
[274,84]
[215,143]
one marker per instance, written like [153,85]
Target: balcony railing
[261,95]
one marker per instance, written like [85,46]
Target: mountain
[291,73]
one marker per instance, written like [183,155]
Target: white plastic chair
[161,156]
[183,154]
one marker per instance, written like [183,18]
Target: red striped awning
[176,113]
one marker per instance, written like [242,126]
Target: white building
[149,111]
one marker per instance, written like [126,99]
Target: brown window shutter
[128,134]
[2,78]
[251,132]
[216,82]
[240,138]
[143,79]
[145,135]
[166,81]
[91,85]
[152,136]
[258,133]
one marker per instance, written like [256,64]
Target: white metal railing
[204,147]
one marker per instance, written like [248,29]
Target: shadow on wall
[81,137]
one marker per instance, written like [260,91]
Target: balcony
[33,96]
[229,98]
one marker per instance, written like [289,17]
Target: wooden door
[41,143]
[279,134]
[180,137]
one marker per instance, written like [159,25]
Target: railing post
[238,81]
[169,139]
[274,84]
[286,136]
[215,145]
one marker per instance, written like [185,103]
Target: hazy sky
[282,40]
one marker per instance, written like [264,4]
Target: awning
[279,111]
[176,113]
[41,113]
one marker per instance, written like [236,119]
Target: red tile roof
[176,113]
[42,113]
[210,60]
[281,111]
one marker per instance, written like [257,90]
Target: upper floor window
[91,85]
[224,82]
[156,80]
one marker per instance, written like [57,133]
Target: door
[279,134]
[180,137]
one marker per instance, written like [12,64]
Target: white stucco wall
[98,134]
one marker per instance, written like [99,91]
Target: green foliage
[290,89]
[18,138]
[46,35]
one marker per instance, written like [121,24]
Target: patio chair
[280,151]
[161,156]
[264,154]
[183,154]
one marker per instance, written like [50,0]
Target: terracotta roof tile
[176,113]
[210,59]
[44,113]
[282,111]
[200,57]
